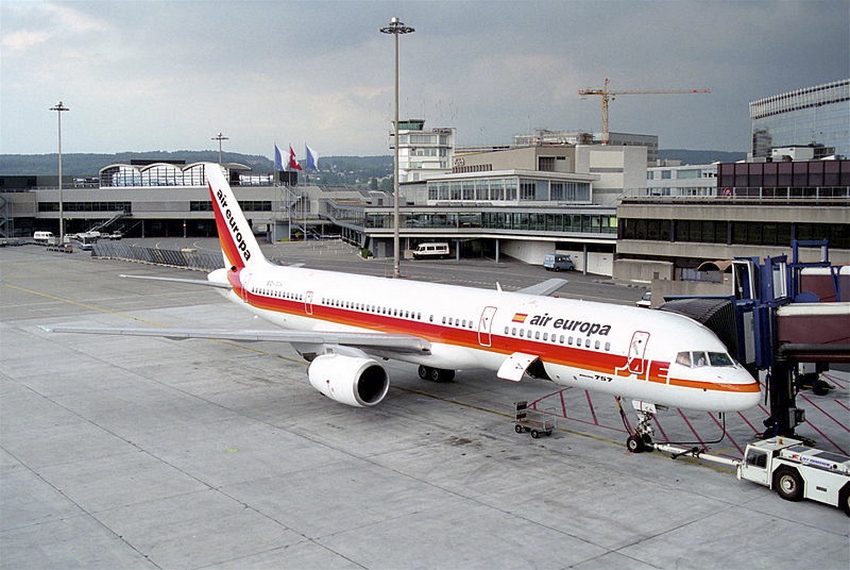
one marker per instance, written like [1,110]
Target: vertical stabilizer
[238,244]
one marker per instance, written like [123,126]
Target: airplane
[345,325]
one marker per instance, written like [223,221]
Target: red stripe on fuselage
[555,354]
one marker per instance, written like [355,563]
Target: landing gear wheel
[788,484]
[435,374]
[635,444]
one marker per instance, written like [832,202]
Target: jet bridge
[781,315]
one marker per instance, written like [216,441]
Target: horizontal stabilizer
[545,288]
[179,280]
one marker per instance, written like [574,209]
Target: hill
[344,170]
[349,170]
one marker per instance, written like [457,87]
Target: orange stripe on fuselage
[556,354]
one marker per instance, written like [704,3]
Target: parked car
[438,250]
[645,301]
[558,262]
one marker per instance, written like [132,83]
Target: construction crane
[608,95]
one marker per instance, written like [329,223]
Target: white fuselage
[625,351]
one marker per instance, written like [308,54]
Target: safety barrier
[196,260]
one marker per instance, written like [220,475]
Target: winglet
[238,244]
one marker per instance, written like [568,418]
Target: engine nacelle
[352,380]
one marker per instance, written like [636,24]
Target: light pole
[219,137]
[59,107]
[396,28]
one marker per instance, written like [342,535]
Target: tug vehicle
[798,472]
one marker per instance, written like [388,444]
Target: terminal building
[544,193]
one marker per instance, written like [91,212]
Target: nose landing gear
[641,438]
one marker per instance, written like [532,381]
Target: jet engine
[353,380]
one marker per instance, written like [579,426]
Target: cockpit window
[700,358]
[720,359]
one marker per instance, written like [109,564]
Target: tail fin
[238,244]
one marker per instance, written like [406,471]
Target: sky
[170,75]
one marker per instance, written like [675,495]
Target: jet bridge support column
[783,399]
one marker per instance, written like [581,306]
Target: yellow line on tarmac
[122,315]
[79,304]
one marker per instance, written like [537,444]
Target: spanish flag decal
[519,318]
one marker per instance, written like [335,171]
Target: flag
[293,162]
[312,158]
[519,317]
[278,159]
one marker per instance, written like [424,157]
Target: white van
[45,238]
[437,250]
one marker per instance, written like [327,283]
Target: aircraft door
[308,302]
[485,325]
[636,364]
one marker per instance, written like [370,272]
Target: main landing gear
[641,438]
[436,374]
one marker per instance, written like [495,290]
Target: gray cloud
[169,75]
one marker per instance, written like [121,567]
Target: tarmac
[130,452]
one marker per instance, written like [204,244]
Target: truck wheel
[788,484]
[844,499]
[518,428]
[535,434]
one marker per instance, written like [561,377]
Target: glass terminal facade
[818,116]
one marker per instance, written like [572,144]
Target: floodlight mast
[60,108]
[396,28]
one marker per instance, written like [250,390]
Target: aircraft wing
[544,288]
[374,341]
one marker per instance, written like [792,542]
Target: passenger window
[513,331]
[587,343]
[537,335]
[545,336]
[596,345]
[507,329]
[607,347]
[521,333]
[562,339]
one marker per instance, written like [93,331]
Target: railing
[194,260]
[788,194]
